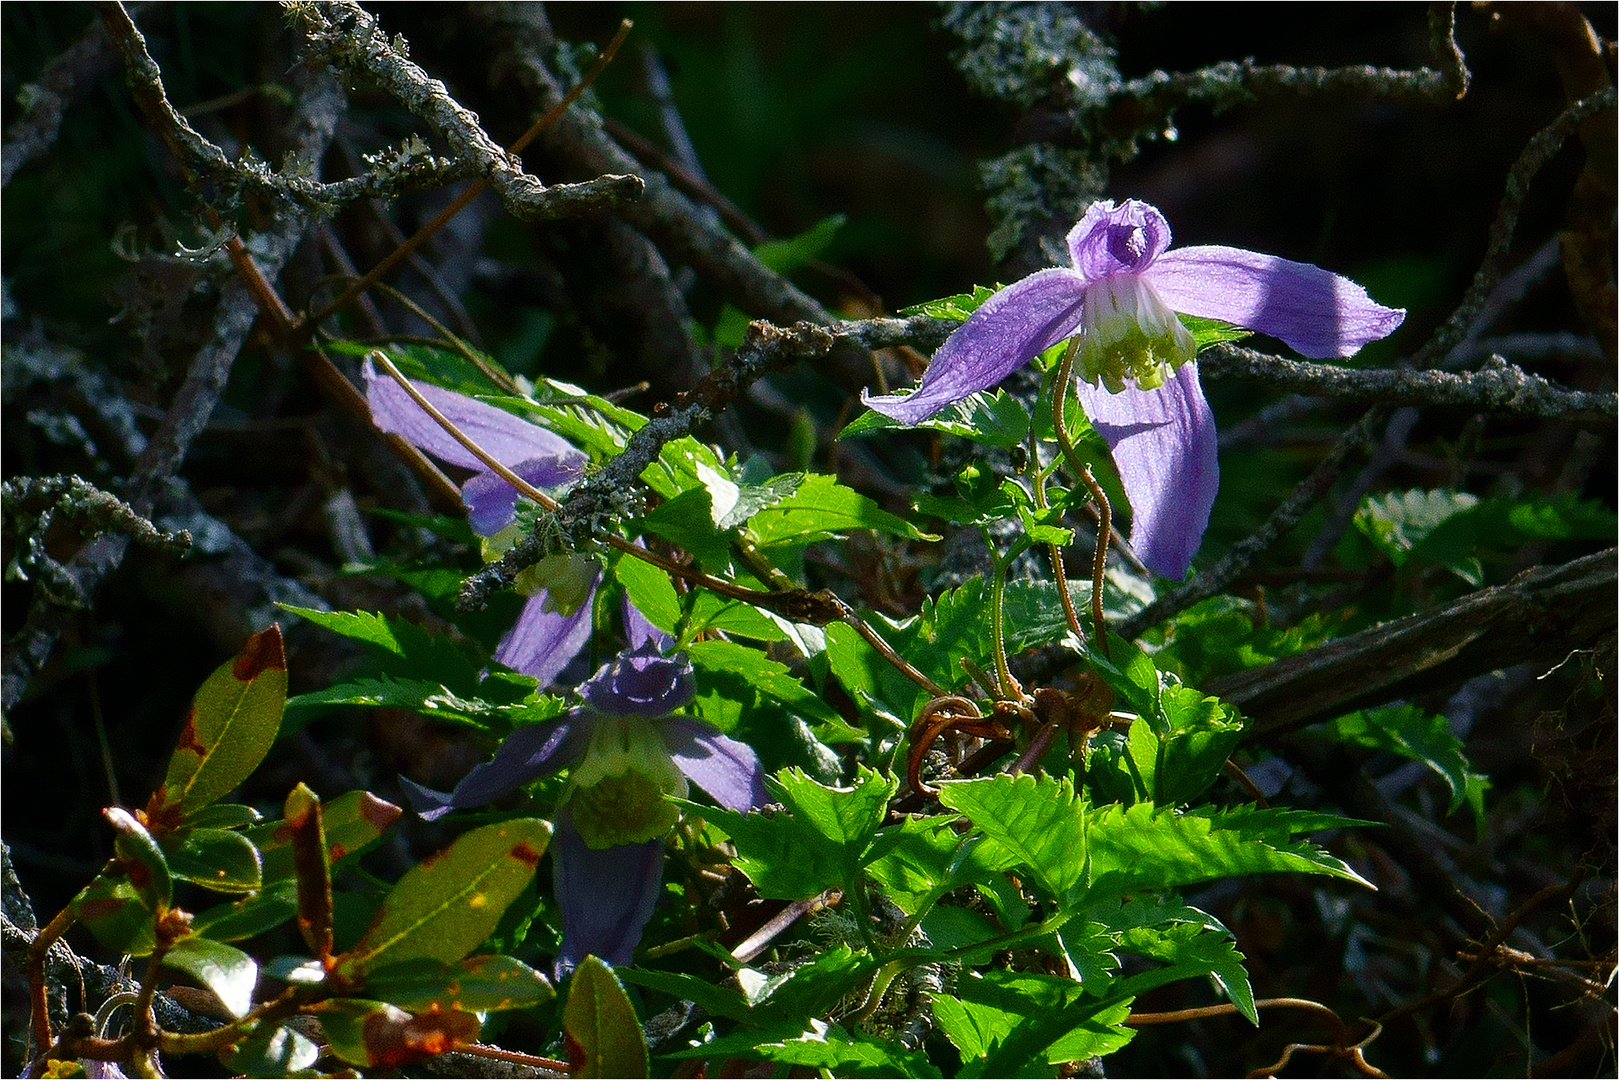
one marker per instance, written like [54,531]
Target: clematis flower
[628,754]
[555,623]
[1136,382]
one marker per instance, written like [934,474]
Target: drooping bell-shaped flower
[1120,294]
[628,755]
[555,622]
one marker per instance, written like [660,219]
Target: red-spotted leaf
[314,870]
[140,859]
[476,984]
[218,859]
[251,916]
[379,1035]
[232,722]
[119,914]
[229,972]
[599,1025]
[351,822]
[271,1051]
[445,907]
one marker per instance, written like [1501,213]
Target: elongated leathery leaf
[217,859]
[229,972]
[314,869]
[476,984]
[121,904]
[821,840]
[376,1034]
[447,905]
[272,1051]
[351,821]
[603,1037]
[263,911]
[1037,819]
[232,722]
[1143,847]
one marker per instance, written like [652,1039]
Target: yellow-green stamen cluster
[1129,336]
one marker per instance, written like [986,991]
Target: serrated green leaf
[765,675]
[993,419]
[957,307]
[405,651]
[1206,332]
[476,984]
[271,1051]
[604,1038]
[651,591]
[445,907]
[710,611]
[1397,522]
[229,972]
[1188,951]
[819,841]
[231,725]
[809,989]
[1410,733]
[1143,847]
[820,509]
[1021,1024]
[1039,820]
[716,1000]
[217,859]
[923,859]
[251,916]
[430,699]
[816,1044]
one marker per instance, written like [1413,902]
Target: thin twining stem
[825,606]
[1104,527]
[472,191]
[1037,477]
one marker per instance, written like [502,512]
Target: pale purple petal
[1315,311]
[1164,445]
[726,769]
[508,439]
[541,643]
[1113,240]
[639,629]
[1010,329]
[528,754]
[490,501]
[606,896]
[641,682]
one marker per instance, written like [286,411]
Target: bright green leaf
[1039,820]
[272,1051]
[476,984]
[445,907]
[232,723]
[229,972]
[217,859]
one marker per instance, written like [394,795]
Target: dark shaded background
[799,111]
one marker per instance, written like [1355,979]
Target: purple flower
[1120,296]
[628,755]
[555,623]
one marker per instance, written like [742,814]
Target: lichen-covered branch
[1540,149]
[1537,617]
[1497,387]
[47,98]
[351,38]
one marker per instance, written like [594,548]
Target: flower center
[621,784]
[1129,336]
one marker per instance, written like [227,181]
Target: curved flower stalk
[628,755]
[555,624]
[1136,382]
